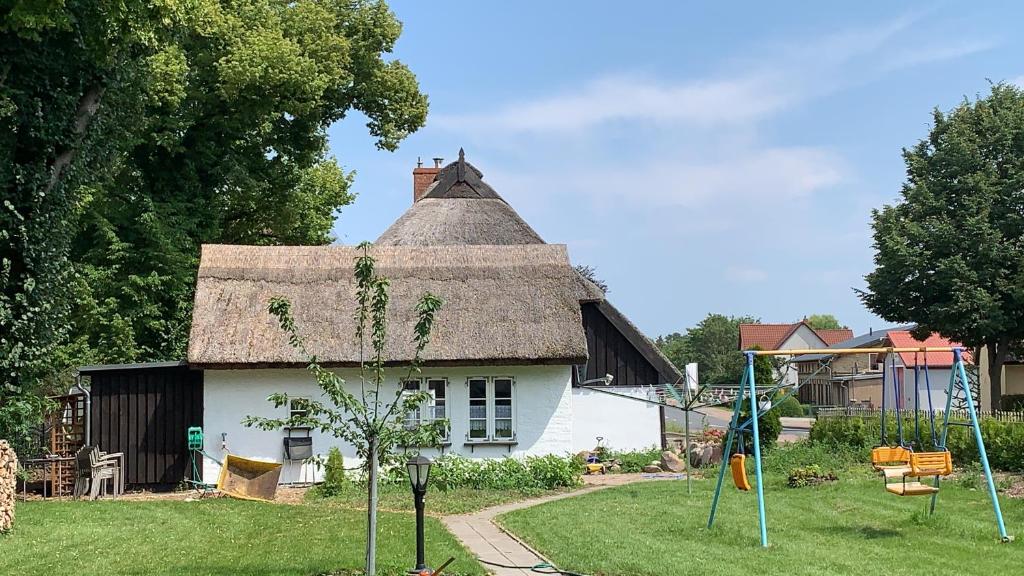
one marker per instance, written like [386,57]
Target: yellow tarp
[248,479]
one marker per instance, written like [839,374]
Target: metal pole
[950,388]
[421,564]
[757,451]
[959,364]
[728,447]
[686,447]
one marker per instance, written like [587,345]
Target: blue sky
[702,158]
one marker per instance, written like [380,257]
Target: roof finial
[462,165]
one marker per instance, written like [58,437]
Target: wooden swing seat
[910,488]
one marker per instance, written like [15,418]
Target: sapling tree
[374,420]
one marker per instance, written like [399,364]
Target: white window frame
[292,411]
[491,409]
[426,413]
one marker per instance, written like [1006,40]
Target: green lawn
[209,537]
[456,501]
[851,527]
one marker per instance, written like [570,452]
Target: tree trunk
[997,352]
[88,104]
[371,508]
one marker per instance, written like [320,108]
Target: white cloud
[779,78]
[756,175]
[937,53]
[629,98]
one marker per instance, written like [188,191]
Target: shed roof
[476,325]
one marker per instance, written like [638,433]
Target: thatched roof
[459,208]
[502,304]
[436,221]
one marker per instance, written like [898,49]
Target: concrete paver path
[487,541]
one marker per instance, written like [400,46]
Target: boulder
[671,462]
[652,469]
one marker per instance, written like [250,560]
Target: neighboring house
[856,379]
[795,336]
[1013,378]
[519,331]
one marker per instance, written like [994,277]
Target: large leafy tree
[712,344]
[131,132]
[949,255]
[823,322]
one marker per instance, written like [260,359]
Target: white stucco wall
[802,338]
[938,377]
[543,413]
[623,423]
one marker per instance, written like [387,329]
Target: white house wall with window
[538,398]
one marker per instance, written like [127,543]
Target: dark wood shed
[144,411]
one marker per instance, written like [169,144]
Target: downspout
[88,407]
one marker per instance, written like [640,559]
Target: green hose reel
[195,438]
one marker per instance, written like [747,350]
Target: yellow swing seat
[910,488]
[889,457]
[737,464]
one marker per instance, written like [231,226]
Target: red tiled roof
[903,339]
[771,336]
[764,336]
[834,336]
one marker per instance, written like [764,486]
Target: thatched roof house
[519,331]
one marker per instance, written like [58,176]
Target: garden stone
[671,462]
[652,469]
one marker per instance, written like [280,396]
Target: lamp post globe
[419,476]
[419,472]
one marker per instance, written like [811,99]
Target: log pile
[8,467]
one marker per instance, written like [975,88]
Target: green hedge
[790,407]
[635,460]
[530,473]
[1004,441]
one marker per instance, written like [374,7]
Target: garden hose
[541,568]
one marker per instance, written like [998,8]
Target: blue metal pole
[757,450]
[981,444]
[728,447]
[950,389]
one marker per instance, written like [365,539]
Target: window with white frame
[298,407]
[435,407]
[491,408]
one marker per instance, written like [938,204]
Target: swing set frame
[748,393]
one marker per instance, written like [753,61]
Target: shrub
[788,407]
[634,461]
[769,426]
[809,476]
[1004,441]
[526,474]
[804,453]
[335,480]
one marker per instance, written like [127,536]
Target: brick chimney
[422,178]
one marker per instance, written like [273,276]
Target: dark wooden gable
[617,348]
[144,413]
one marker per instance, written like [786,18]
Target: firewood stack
[8,465]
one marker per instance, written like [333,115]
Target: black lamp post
[419,476]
